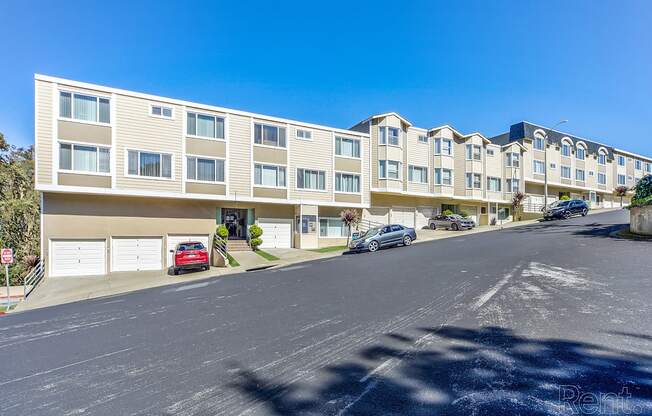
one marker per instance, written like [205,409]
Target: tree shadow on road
[462,371]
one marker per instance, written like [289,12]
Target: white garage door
[377,215]
[77,258]
[173,240]
[423,214]
[403,216]
[135,254]
[277,233]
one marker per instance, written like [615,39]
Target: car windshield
[371,231]
[456,216]
[190,246]
[562,203]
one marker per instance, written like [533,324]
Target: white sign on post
[7,258]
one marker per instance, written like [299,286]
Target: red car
[190,255]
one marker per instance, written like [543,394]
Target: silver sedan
[387,235]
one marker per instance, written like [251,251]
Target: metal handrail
[33,278]
[365,224]
[220,244]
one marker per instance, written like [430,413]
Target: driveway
[501,322]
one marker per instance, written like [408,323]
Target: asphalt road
[529,320]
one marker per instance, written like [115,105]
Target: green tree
[19,207]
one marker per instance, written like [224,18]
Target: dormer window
[580,152]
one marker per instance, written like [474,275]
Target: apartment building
[125,176]
[576,167]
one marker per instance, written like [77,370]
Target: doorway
[235,220]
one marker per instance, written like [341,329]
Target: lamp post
[545,163]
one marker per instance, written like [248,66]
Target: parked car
[383,236]
[190,255]
[566,209]
[453,222]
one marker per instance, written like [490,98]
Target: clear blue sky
[479,66]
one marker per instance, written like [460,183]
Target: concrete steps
[237,245]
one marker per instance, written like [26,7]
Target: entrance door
[235,220]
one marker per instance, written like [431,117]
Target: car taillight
[203,251]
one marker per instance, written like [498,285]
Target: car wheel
[584,212]
[373,246]
[407,240]
[455,227]
[175,271]
[432,226]
[567,215]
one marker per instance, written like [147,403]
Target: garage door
[135,254]
[277,233]
[77,257]
[423,214]
[403,216]
[377,215]
[173,240]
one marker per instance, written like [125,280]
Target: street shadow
[462,371]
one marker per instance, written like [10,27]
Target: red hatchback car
[190,255]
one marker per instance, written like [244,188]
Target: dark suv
[566,209]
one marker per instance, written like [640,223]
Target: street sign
[7,256]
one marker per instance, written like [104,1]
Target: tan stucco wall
[206,188]
[83,132]
[270,193]
[351,198]
[269,155]
[75,179]
[348,165]
[203,147]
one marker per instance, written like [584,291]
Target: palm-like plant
[517,201]
[621,191]
[350,218]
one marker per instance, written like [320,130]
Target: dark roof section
[519,131]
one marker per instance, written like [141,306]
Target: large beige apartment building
[125,176]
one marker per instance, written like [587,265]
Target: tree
[350,218]
[254,236]
[19,207]
[642,192]
[517,202]
[621,191]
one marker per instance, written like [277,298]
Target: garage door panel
[136,254]
[378,215]
[78,258]
[423,215]
[276,233]
[403,216]
[173,240]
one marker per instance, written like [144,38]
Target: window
[473,152]
[306,224]
[622,180]
[490,152]
[347,182]
[332,227]
[565,149]
[153,165]
[579,175]
[389,169]
[513,185]
[269,135]
[84,107]
[443,147]
[311,179]
[493,184]
[206,170]
[513,160]
[539,143]
[602,179]
[269,175]
[602,158]
[304,134]
[389,135]
[82,158]
[648,167]
[417,174]
[638,165]
[591,173]
[443,176]
[423,139]
[204,125]
[160,111]
[621,160]
[345,146]
[553,166]
[539,167]
[580,153]
[566,172]
[473,181]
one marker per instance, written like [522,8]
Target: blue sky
[479,66]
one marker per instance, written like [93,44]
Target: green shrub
[255,243]
[254,236]
[463,213]
[643,192]
[447,212]
[564,198]
[222,231]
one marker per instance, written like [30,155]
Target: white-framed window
[638,165]
[580,152]
[423,139]
[539,143]
[149,164]
[443,146]
[75,157]
[622,179]
[539,167]
[304,134]
[513,185]
[621,160]
[272,176]
[473,181]
[565,149]
[565,172]
[347,182]
[648,167]
[493,184]
[580,175]
[389,169]
[513,160]
[269,135]
[204,170]
[490,152]
[311,179]
[473,152]
[602,178]
[204,125]
[389,135]
[332,227]
[348,147]
[591,173]
[602,158]
[418,174]
[84,107]
[553,166]
[443,177]
[161,111]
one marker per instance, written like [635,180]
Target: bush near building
[642,192]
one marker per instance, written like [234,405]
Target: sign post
[7,258]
